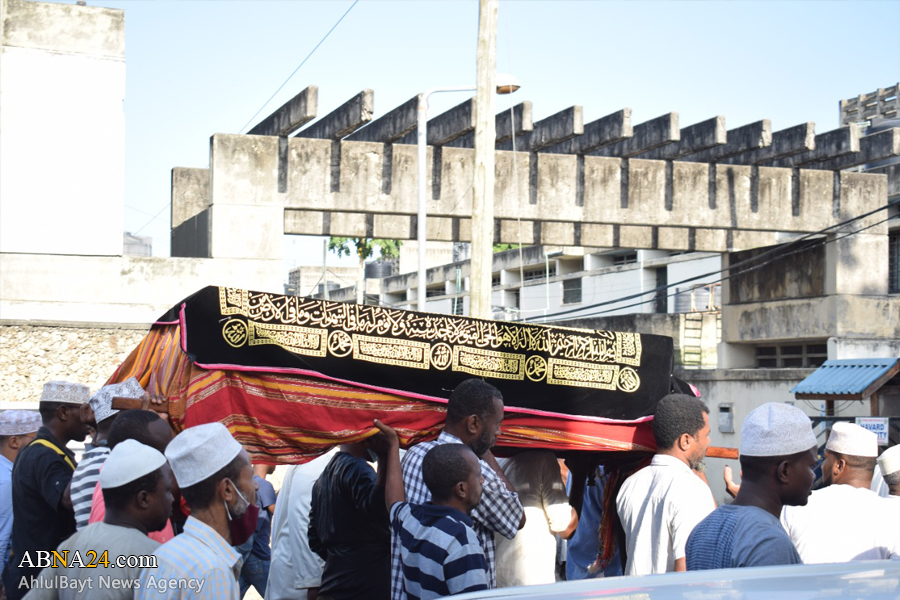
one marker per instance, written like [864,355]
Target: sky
[196,68]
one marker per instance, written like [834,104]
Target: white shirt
[878,485]
[530,557]
[294,566]
[659,506]
[841,523]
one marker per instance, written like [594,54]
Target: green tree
[505,247]
[364,248]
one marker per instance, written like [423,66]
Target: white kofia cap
[19,422]
[853,440]
[101,401]
[199,452]
[65,392]
[776,429]
[128,461]
[889,461]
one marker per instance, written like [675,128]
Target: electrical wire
[311,52]
[153,218]
[727,277]
[731,267]
[775,251]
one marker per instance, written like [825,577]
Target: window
[541,273]
[572,291]
[432,292]
[495,280]
[625,259]
[458,306]
[894,262]
[791,356]
[661,301]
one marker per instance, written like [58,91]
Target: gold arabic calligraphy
[399,337]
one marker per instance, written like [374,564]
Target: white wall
[118,289]
[747,389]
[62,130]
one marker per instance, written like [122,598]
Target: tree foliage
[364,248]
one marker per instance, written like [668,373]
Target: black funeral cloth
[617,375]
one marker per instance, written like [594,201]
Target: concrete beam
[647,136]
[247,173]
[597,134]
[190,194]
[520,123]
[787,142]
[391,126]
[447,126]
[695,138]
[344,120]
[831,144]
[551,131]
[527,232]
[745,138]
[893,177]
[294,114]
[872,148]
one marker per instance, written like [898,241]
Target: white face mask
[244,503]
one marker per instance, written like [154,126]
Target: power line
[765,254]
[725,278]
[333,27]
[143,212]
[152,219]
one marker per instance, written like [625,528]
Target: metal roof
[856,377]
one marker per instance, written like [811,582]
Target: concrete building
[309,281]
[136,245]
[73,303]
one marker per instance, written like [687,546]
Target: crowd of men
[148,514]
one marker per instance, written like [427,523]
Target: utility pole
[325,268]
[485,143]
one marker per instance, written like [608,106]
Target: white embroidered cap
[65,392]
[128,461]
[853,440]
[889,461]
[101,401]
[776,429]
[19,422]
[199,452]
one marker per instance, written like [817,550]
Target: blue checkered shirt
[499,511]
[197,554]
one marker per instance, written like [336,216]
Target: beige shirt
[659,506]
[100,582]
[530,557]
[841,523]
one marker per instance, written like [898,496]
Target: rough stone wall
[31,355]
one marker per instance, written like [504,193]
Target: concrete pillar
[247,210]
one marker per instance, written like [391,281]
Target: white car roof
[869,580]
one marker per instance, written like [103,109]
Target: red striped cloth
[288,419]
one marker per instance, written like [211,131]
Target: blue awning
[854,378]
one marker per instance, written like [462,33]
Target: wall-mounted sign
[877,425]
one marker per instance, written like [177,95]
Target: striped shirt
[86,475]
[499,511]
[199,562]
[440,554]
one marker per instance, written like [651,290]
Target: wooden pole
[485,142]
